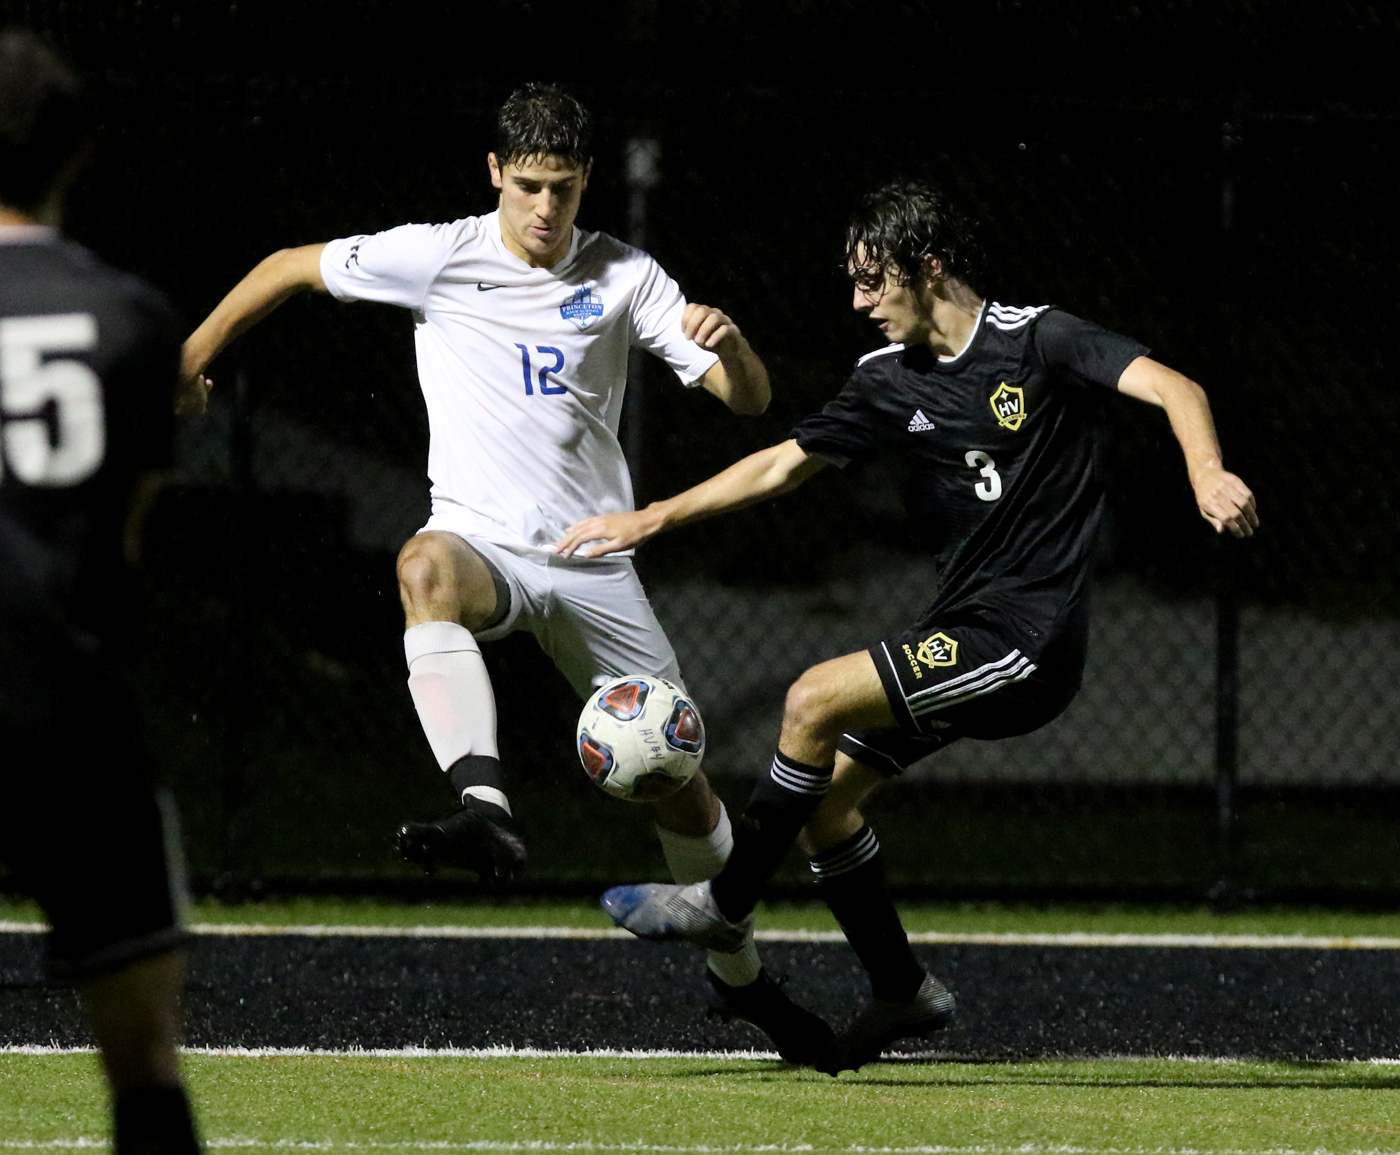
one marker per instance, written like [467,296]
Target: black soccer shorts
[967,675]
[89,837]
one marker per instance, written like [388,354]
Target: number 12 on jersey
[545,371]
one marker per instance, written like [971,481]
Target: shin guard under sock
[694,858]
[779,807]
[154,1121]
[852,878]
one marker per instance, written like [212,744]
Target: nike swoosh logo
[480,288]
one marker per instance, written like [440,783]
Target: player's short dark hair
[543,120]
[899,224]
[42,121]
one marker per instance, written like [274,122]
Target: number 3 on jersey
[54,432]
[990,489]
[545,372]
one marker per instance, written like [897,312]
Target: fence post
[235,868]
[643,170]
[1225,892]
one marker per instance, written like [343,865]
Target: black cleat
[479,836]
[881,1023]
[800,1036]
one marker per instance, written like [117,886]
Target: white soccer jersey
[523,369]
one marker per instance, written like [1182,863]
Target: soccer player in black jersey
[89,361]
[994,408]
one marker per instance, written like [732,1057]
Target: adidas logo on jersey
[919,423]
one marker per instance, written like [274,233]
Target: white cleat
[670,912]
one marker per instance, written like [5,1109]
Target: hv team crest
[938,650]
[583,307]
[1009,406]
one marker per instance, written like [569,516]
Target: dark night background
[1218,180]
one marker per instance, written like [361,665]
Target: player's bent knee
[423,570]
[809,704]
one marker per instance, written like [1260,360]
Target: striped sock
[779,807]
[852,878]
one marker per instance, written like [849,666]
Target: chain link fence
[1253,248]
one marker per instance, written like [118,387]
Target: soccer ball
[640,738]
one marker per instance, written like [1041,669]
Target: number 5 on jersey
[54,432]
[545,372]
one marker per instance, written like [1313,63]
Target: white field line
[602,1053]
[988,938]
[240,1143]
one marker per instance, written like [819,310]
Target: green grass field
[700,1104]
[516,1102]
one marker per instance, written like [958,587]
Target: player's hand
[1225,501]
[708,327]
[192,395]
[608,533]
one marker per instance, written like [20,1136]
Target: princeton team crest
[583,307]
[1009,406]
[938,650]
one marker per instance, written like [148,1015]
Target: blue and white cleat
[670,912]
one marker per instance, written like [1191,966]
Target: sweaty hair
[42,123]
[899,224]
[542,120]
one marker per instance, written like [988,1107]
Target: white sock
[451,691]
[694,858]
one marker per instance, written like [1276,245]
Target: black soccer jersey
[89,359]
[1001,442]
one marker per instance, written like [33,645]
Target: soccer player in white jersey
[522,326]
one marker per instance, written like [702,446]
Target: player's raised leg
[604,627]
[449,591]
[841,694]
[697,838]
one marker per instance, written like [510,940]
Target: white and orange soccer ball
[640,738]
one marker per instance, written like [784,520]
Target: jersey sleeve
[656,325]
[844,431]
[394,267]
[1084,349]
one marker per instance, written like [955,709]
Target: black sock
[475,770]
[852,878]
[154,1121]
[779,807]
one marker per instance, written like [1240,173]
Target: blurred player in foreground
[994,407]
[88,364]
[523,324]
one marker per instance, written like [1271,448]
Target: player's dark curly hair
[543,120]
[42,122]
[899,224]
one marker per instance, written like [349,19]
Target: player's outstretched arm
[282,275]
[739,379]
[761,475]
[1223,499]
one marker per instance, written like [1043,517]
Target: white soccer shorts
[591,616]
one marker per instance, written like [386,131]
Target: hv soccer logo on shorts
[583,307]
[938,650]
[935,651]
[1009,406]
